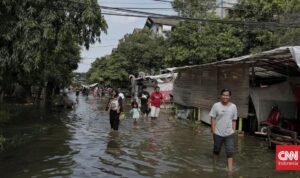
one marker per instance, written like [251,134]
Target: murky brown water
[79,144]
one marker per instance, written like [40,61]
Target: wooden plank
[279,135]
[280,143]
[260,133]
[282,137]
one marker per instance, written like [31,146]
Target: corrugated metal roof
[157,76]
[276,62]
[164,21]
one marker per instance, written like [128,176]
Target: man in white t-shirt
[223,123]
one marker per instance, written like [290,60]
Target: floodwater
[79,144]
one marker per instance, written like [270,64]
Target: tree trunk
[28,94]
[38,94]
[1,96]
[49,91]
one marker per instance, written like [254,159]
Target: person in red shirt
[155,101]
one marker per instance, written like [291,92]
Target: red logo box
[287,157]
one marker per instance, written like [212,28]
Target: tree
[108,71]
[273,28]
[141,51]
[194,8]
[198,43]
[40,39]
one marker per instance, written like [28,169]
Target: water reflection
[113,144]
[47,156]
[80,144]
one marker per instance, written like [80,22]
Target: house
[258,82]
[161,25]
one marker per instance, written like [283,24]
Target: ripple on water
[81,145]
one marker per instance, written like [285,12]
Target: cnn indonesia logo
[287,157]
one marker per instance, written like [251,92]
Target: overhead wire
[142,14]
[99,6]
[134,3]
[217,5]
[103,46]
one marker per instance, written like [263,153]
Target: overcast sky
[118,27]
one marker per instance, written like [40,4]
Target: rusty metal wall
[201,87]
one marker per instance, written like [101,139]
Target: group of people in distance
[150,103]
[223,117]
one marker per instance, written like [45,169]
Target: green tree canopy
[260,25]
[195,43]
[141,51]
[194,8]
[40,40]
[273,27]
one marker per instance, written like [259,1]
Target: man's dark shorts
[229,144]
[145,109]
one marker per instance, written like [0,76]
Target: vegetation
[140,51]
[194,8]
[40,40]
[273,28]
[195,42]
[192,43]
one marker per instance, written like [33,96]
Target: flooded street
[79,144]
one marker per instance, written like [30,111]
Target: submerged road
[80,144]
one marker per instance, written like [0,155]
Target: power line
[132,11]
[229,22]
[135,13]
[147,8]
[82,63]
[134,3]
[88,57]
[110,39]
[233,6]
[262,24]
[163,1]
[216,6]
[104,46]
[125,15]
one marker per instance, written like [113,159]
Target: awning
[283,61]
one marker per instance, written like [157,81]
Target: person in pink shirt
[155,101]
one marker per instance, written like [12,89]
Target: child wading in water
[135,111]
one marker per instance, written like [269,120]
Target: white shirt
[224,116]
[121,95]
[114,104]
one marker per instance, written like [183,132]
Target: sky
[119,26]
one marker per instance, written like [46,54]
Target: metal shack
[258,82]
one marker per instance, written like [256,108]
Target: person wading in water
[144,97]
[114,108]
[223,123]
[155,100]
